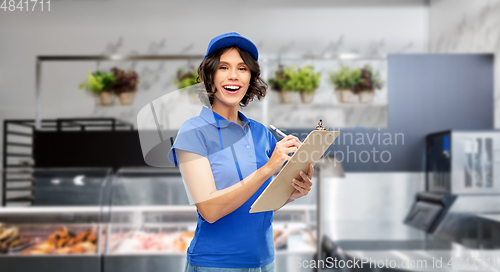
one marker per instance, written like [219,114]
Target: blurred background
[414,174]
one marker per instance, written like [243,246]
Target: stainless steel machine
[462,186]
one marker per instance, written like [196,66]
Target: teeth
[232,87]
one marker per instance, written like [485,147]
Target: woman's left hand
[303,187]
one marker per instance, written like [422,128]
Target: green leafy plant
[280,80]
[186,78]
[98,82]
[124,81]
[304,79]
[345,78]
[369,80]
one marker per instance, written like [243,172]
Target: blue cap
[230,39]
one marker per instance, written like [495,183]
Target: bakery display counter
[139,219]
[151,224]
[50,239]
[150,230]
[154,238]
[47,240]
[62,229]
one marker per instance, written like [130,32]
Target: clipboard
[279,189]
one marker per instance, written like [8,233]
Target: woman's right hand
[284,147]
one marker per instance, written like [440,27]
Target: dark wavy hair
[208,67]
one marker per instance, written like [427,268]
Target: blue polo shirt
[239,239]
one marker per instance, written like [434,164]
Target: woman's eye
[241,68]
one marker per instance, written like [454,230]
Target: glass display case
[62,229]
[151,223]
[138,219]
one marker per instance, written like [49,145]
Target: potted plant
[124,85]
[370,81]
[305,81]
[99,83]
[344,80]
[185,79]
[281,84]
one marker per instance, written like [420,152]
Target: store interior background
[295,27]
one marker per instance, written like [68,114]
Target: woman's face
[231,79]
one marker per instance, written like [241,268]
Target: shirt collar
[218,121]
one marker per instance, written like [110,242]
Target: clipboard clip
[320,125]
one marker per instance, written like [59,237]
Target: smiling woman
[233,78]
[232,66]
[227,160]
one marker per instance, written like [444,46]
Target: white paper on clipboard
[279,190]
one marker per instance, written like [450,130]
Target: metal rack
[20,133]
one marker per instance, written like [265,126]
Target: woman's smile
[232,89]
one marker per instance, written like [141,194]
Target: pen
[278,131]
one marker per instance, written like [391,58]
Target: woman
[227,160]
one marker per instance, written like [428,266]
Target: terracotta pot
[126,98]
[288,97]
[307,98]
[106,98]
[346,96]
[366,97]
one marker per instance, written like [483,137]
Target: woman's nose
[232,74]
